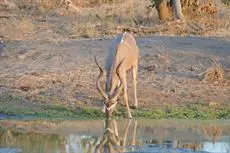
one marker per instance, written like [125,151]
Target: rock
[190,68]
[173,90]
[181,81]
[25,88]
[172,69]
[151,67]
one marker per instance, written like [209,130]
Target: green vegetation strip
[60,112]
[186,112]
[14,106]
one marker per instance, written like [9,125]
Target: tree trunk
[177,9]
[163,10]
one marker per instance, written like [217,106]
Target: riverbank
[188,75]
[11,110]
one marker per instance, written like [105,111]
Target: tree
[177,9]
[163,9]
[166,9]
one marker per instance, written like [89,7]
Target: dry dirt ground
[173,71]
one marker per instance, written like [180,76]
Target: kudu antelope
[123,56]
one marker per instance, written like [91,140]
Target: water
[102,136]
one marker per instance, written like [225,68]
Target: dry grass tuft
[49,4]
[26,25]
[31,82]
[24,29]
[213,75]
[84,29]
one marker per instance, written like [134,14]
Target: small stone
[190,68]
[180,81]
[151,67]
[173,90]
[24,88]
[172,69]
[157,55]
[146,55]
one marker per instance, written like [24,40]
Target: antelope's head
[110,101]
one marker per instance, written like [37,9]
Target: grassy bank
[186,112]
[18,107]
[13,106]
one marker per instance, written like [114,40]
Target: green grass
[53,112]
[13,106]
[21,108]
[195,111]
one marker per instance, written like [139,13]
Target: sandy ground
[64,72]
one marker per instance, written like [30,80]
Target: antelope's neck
[112,80]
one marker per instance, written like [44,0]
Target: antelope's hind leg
[126,95]
[134,72]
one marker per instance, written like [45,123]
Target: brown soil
[170,71]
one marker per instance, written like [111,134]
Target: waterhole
[114,136]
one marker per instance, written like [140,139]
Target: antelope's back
[129,39]
[112,52]
[123,47]
[128,50]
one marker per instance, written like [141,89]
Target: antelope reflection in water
[111,141]
[88,144]
[116,137]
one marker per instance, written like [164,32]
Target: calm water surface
[112,136]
